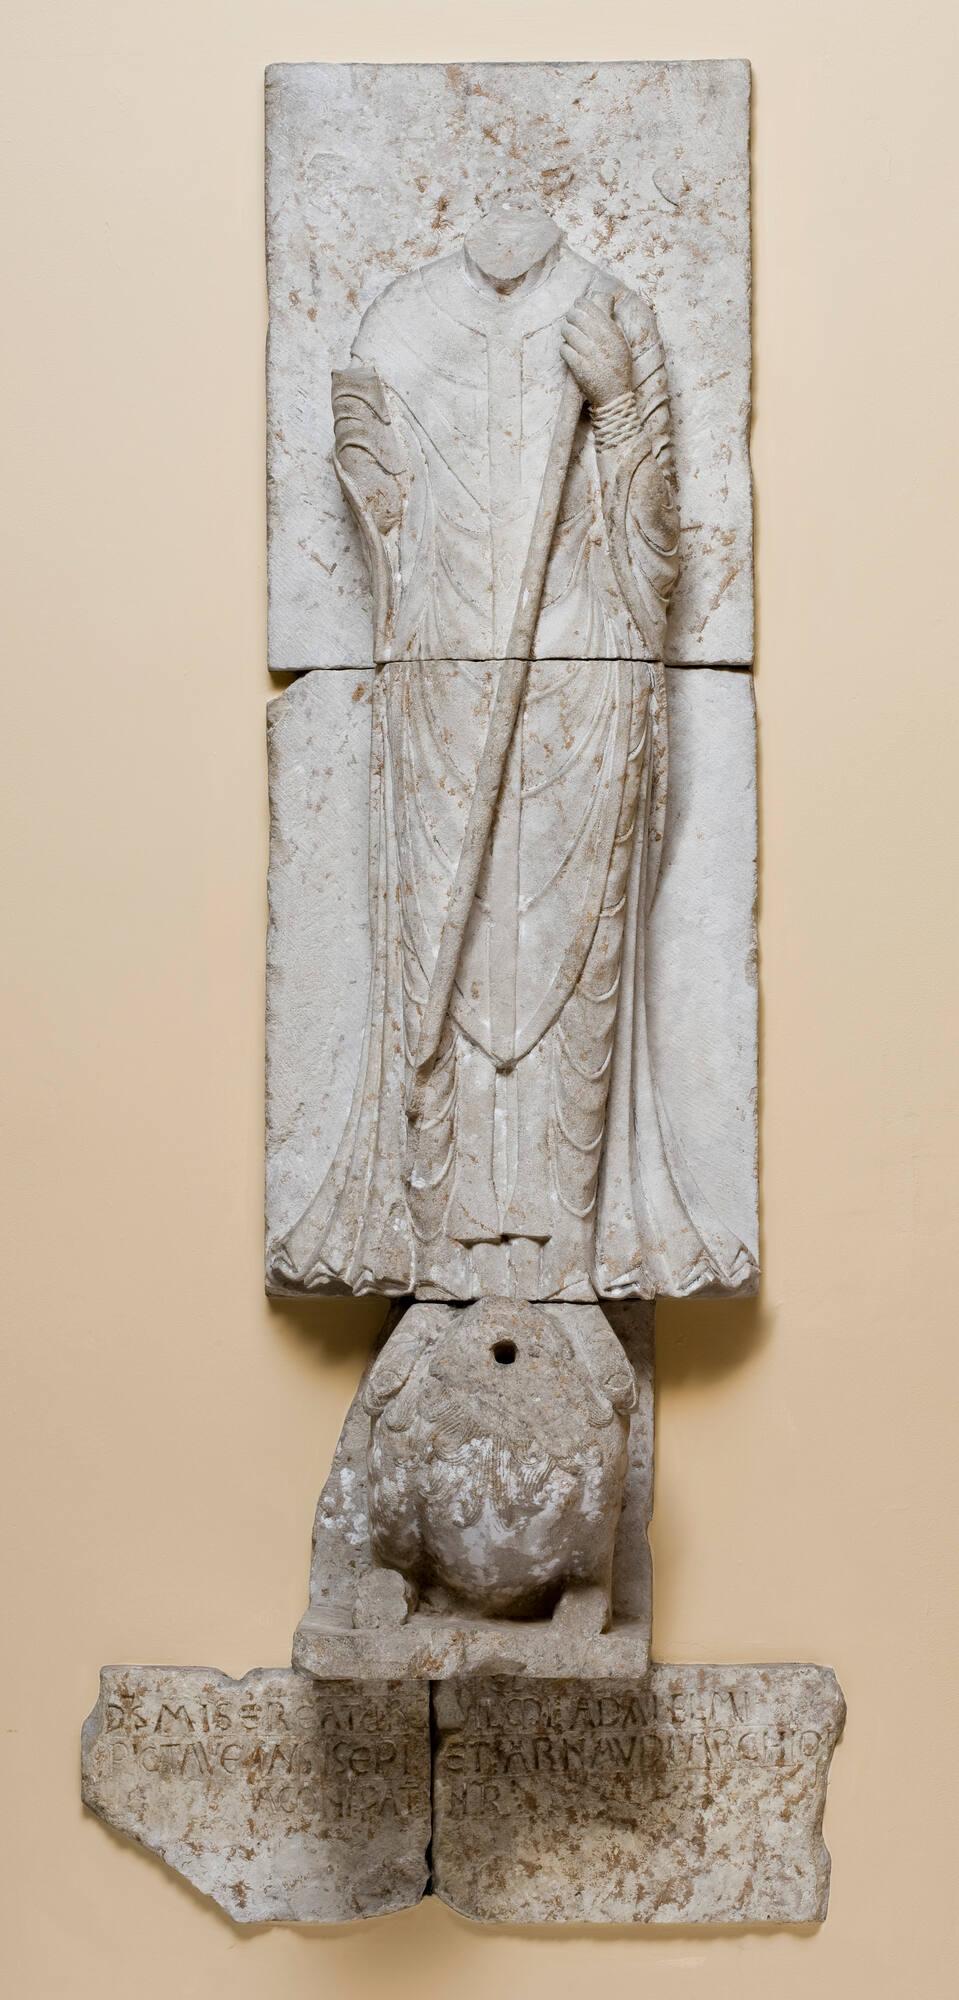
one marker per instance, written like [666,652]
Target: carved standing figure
[502,435]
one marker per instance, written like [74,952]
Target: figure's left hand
[596,350]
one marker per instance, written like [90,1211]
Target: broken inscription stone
[693,1796]
[282,1797]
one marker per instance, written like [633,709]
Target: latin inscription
[321,1755]
[281,1796]
[617,1743]
[692,1796]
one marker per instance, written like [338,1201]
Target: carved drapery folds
[511,1012]
[540,1162]
[442,425]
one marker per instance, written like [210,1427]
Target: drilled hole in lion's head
[503,1351]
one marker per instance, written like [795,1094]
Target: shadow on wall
[320,1330]
[699,1340]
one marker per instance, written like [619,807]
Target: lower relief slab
[693,1796]
[682,1076]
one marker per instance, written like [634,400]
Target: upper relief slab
[378,173]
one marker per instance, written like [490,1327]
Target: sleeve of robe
[634,455]
[371,468]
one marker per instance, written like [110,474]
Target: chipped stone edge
[90,1731]
[704,1925]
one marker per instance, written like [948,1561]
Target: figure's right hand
[596,350]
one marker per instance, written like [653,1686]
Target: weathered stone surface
[497,1457]
[698,979]
[504,439]
[361,1622]
[503,435]
[695,1796]
[281,1798]
[643,166]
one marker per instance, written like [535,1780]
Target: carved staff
[499,736]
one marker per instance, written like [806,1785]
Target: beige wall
[168,1431]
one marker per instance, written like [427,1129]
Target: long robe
[542,1164]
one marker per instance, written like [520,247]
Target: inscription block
[693,1796]
[281,1797]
